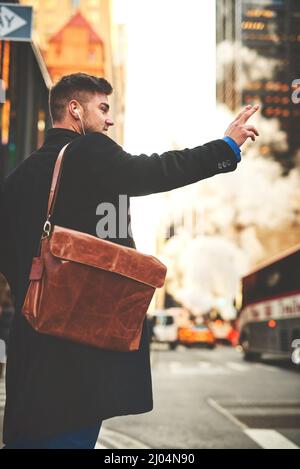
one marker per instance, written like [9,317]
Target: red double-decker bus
[269,318]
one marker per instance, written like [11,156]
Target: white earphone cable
[78,114]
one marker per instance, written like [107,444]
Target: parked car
[164,328]
[224,332]
[196,335]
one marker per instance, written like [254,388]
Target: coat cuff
[234,147]
[227,160]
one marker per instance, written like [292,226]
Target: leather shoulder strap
[55,181]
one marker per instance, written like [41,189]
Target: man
[59,392]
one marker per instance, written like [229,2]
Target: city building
[48,21]
[271,30]
[76,46]
[50,16]
[24,114]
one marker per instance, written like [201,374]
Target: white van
[164,328]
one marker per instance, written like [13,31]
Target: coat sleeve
[138,175]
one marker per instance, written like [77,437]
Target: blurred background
[180,72]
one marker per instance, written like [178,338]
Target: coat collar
[58,135]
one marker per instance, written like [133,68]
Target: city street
[141,187]
[211,399]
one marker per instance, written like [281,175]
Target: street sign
[15,22]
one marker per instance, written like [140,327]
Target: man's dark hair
[76,86]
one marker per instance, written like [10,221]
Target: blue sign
[15,22]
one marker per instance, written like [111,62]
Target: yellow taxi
[196,335]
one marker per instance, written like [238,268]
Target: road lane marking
[203,364]
[2,394]
[269,439]
[100,446]
[118,440]
[265,438]
[266,367]
[205,368]
[226,413]
[202,368]
[238,366]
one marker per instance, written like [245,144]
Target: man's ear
[74,109]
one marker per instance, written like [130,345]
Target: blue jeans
[80,439]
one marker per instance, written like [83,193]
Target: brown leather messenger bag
[87,289]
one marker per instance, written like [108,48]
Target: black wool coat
[54,385]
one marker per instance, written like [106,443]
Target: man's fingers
[243,119]
[251,135]
[252,128]
[242,112]
[238,130]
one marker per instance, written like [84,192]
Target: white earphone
[78,114]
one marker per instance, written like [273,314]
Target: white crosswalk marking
[200,368]
[117,440]
[207,368]
[2,393]
[238,366]
[100,446]
[270,439]
[266,438]
[272,369]
[2,404]
[204,364]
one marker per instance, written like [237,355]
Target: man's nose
[109,121]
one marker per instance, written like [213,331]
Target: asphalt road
[211,399]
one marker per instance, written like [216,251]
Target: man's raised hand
[238,130]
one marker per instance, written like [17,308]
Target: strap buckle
[46,229]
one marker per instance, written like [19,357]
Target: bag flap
[86,249]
